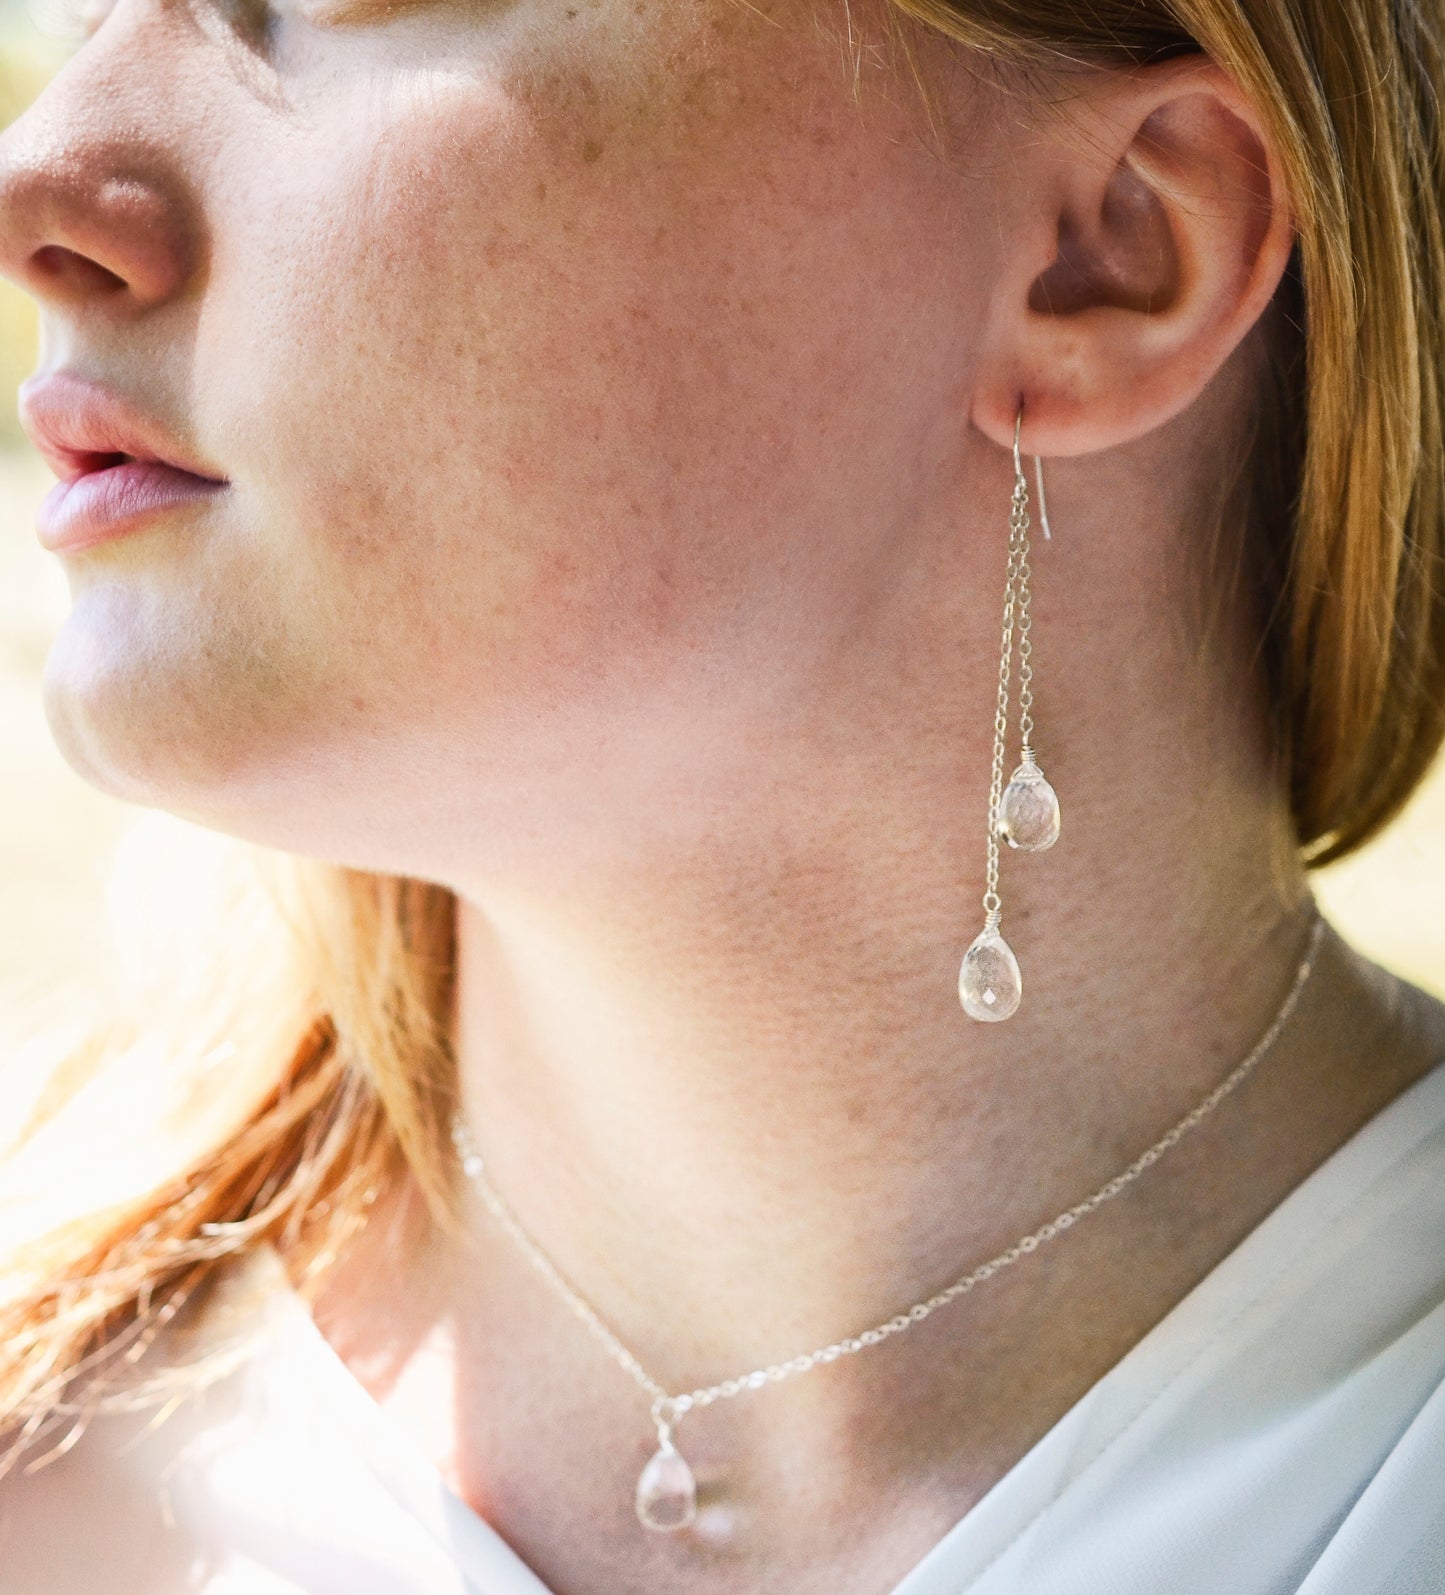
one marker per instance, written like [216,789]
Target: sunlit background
[59,837]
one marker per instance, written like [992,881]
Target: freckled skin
[553,360]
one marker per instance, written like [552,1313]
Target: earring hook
[1038,474]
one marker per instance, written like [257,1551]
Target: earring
[1026,811]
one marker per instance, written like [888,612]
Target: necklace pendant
[666,1491]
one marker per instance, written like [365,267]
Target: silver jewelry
[666,1493]
[1026,811]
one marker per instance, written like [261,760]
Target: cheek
[565,412]
[463,431]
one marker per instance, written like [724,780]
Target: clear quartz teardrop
[989,982]
[1028,811]
[666,1491]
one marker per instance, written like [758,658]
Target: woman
[550,473]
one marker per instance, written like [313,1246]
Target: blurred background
[60,839]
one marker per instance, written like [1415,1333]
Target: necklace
[666,1494]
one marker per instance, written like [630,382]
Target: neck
[710,1045]
[726,1081]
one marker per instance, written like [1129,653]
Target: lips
[118,467]
[101,504]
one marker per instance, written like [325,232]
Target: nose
[93,208]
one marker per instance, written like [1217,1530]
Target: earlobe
[1171,229]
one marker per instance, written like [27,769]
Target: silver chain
[1018,544]
[1026,647]
[667,1408]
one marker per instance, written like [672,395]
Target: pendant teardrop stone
[666,1491]
[1028,811]
[989,982]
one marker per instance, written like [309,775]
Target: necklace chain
[667,1408]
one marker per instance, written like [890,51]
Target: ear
[1147,227]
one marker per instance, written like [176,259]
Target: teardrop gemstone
[989,982]
[1028,811]
[666,1491]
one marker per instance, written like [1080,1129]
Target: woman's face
[582,373]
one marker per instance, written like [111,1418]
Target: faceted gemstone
[989,982]
[666,1491]
[1028,812]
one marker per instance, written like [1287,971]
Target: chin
[205,733]
[81,699]
[138,718]
[98,731]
